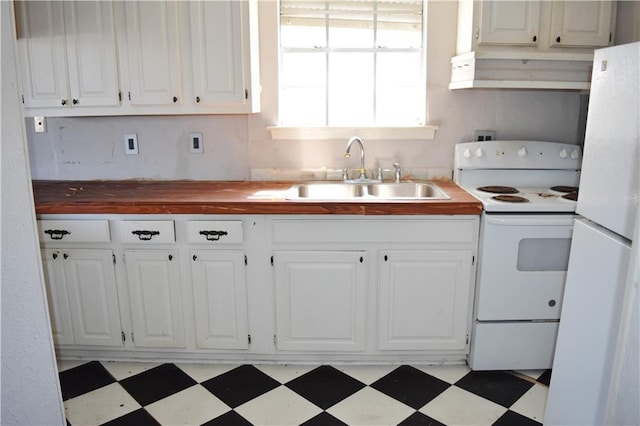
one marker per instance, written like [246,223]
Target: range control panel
[517,154]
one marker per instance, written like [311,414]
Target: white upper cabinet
[68,54]
[581,23]
[153,53]
[138,57]
[223,55]
[533,25]
[509,22]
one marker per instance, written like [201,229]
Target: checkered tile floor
[131,393]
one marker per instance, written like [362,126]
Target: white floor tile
[533,403]
[447,373]
[285,372]
[281,407]
[192,406]
[456,406]
[100,406]
[203,372]
[534,374]
[367,374]
[370,407]
[65,364]
[122,370]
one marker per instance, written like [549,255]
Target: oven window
[544,254]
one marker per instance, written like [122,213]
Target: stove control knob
[479,152]
[563,153]
[522,152]
[575,154]
[467,153]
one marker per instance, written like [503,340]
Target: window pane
[351,89]
[304,69]
[303,36]
[351,30]
[400,95]
[302,106]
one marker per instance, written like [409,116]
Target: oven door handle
[531,221]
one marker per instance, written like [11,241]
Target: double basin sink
[366,191]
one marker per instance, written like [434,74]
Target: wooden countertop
[224,197]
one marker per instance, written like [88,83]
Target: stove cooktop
[525,199]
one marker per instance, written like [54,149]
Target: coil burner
[494,189]
[510,199]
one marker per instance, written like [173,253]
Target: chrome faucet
[397,171]
[347,154]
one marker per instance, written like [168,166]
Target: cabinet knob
[175,99]
[75,102]
[63,102]
[197,99]
[558,39]
[535,38]
[552,303]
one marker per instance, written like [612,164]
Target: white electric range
[528,190]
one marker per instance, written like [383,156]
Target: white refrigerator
[595,377]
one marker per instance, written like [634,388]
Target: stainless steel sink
[366,191]
[405,190]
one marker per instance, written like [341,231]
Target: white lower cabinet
[320,300]
[82,295]
[156,298]
[261,288]
[220,299]
[424,299]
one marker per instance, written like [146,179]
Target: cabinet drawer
[214,231]
[348,231]
[147,231]
[74,231]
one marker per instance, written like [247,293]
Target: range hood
[521,70]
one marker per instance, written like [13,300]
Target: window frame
[423,131]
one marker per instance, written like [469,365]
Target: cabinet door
[320,300]
[56,286]
[217,50]
[91,53]
[153,52]
[509,22]
[156,298]
[93,298]
[41,44]
[220,299]
[424,299]
[581,23]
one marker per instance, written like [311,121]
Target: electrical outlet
[484,135]
[40,124]
[131,144]
[195,143]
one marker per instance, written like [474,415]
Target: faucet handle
[398,171]
[345,174]
[379,174]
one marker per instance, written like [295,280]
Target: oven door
[522,266]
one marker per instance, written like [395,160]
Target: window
[352,63]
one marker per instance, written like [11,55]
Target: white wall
[92,148]
[30,389]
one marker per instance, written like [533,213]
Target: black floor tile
[84,378]
[497,386]
[157,383]
[511,418]
[323,419]
[410,386]
[325,386]
[545,379]
[419,419]
[140,417]
[230,418]
[240,385]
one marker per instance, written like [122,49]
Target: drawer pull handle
[145,235]
[213,235]
[57,234]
